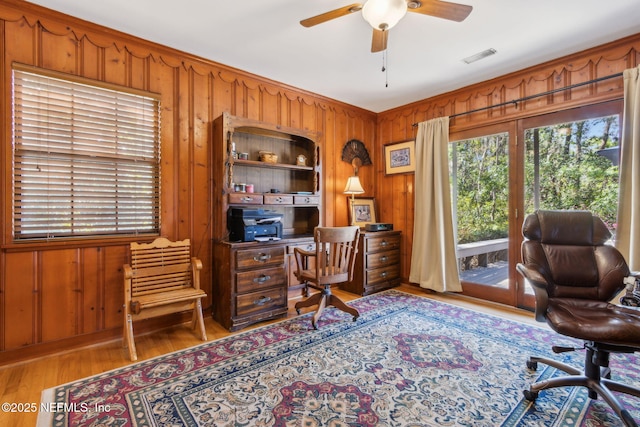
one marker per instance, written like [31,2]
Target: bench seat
[162,278]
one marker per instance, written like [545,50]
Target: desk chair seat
[574,274]
[331,263]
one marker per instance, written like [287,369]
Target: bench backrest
[160,266]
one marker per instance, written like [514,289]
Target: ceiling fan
[382,15]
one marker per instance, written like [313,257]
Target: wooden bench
[482,248]
[162,278]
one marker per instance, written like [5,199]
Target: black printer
[249,224]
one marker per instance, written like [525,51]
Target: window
[86,158]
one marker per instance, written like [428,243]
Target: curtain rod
[526,98]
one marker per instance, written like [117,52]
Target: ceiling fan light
[384,14]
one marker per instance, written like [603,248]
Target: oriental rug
[406,361]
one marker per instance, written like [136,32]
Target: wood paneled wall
[397,125]
[61,294]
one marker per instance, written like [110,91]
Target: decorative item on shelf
[243,156]
[301,160]
[268,157]
[356,153]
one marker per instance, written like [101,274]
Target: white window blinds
[86,159]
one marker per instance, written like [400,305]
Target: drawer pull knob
[279,199]
[262,301]
[307,200]
[384,258]
[247,199]
[262,258]
[384,243]
[263,278]
[383,274]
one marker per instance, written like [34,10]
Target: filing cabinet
[377,264]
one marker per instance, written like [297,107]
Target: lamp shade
[384,14]
[353,186]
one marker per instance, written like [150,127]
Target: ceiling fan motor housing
[384,14]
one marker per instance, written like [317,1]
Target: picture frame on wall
[400,157]
[362,211]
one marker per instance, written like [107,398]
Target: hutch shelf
[260,166]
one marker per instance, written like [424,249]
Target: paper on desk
[269,220]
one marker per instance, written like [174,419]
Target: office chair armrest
[537,280]
[302,260]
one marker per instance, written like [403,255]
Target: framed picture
[362,211]
[400,157]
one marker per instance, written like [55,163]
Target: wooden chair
[331,263]
[162,278]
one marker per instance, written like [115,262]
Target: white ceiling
[334,59]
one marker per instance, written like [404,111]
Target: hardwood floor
[22,383]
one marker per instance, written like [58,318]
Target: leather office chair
[574,275]
[331,263]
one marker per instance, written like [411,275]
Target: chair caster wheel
[532,365]
[530,395]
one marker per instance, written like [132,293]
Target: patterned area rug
[407,361]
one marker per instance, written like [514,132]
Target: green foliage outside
[565,167]
[481,177]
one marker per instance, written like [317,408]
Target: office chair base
[599,385]
[325,299]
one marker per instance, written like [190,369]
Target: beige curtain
[433,256]
[628,229]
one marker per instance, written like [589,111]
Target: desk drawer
[245,199]
[261,300]
[382,243]
[306,200]
[383,274]
[381,259]
[308,246]
[254,280]
[252,258]
[278,199]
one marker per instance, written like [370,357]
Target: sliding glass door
[501,173]
[480,176]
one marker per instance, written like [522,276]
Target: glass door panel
[480,196]
[571,162]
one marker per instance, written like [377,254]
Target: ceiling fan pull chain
[384,68]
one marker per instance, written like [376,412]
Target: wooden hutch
[281,165]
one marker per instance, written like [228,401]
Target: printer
[254,224]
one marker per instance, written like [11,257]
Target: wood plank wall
[396,125]
[59,295]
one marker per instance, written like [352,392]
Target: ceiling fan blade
[379,40]
[441,9]
[333,14]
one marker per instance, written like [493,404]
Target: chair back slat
[160,266]
[336,248]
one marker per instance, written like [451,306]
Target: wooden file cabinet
[377,264]
[251,284]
